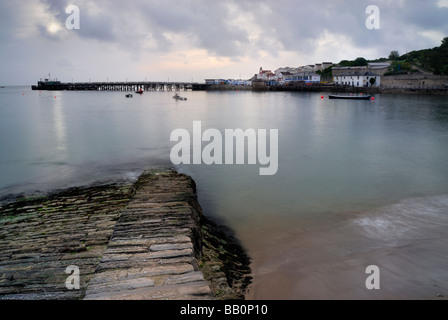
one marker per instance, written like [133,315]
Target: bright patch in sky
[433,35]
[442,3]
[53,28]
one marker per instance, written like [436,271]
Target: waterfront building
[326,65]
[235,82]
[307,77]
[379,68]
[280,72]
[211,81]
[339,70]
[266,75]
[358,79]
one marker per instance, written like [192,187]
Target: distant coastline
[291,87]
[401,84]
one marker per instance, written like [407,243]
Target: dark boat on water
[368,97]
[178,97]
[139,91]
[50,84]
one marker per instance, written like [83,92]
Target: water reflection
[59,127]
[337,159]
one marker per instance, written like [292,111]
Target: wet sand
[408,241]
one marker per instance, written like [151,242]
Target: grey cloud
[7,17]
[124,28]
[57,7]
[424,15]
[297,25]
[99,27]
[205,23]
[94,26]
[285,24]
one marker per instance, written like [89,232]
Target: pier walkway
[131,86]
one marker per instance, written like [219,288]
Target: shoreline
[313,88]
[332,89]
[142,240]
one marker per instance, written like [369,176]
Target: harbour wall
[392,87]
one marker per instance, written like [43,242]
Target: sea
[359,183]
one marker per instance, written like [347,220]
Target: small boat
[139,91]
[129,95]
[368,97]
[178,97]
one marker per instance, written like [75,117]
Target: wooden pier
[118,86]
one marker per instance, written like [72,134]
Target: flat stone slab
[134,242]
[40,238]
[191,291]
[162,274]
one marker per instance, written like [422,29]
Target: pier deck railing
[120,86]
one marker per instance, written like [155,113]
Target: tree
[372,81]
[327,72]
[445,69]
[354,63]
[345,63]
[444,42]
[360,61]
[394,55]
[399,67]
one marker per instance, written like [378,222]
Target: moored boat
[178,97]
[332,96]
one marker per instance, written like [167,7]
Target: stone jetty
[147,240]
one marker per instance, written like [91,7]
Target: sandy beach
[407,241]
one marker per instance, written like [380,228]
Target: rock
[149,240]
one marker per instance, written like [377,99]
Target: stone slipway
[153,251]
[140,241]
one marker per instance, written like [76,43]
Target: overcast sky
[188,40]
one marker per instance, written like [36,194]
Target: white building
[282,76]
[358,79]
[214,81]
[235,82]
[266,75]
[286,70]
[308,68]
[302,76]
[239,82]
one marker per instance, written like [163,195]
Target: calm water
[359,182]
